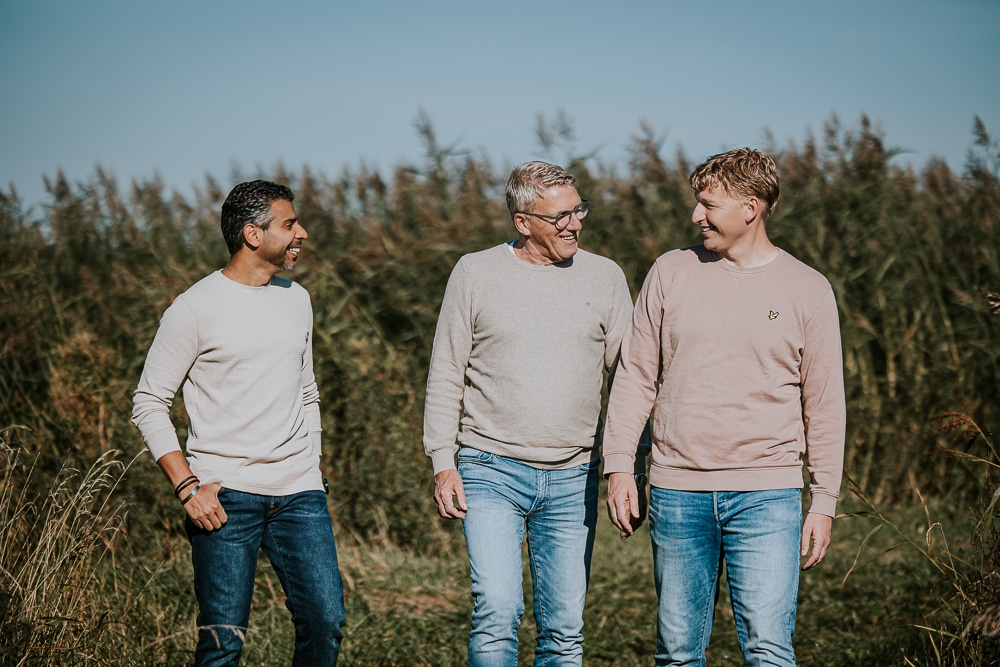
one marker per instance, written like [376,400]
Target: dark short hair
[250,204]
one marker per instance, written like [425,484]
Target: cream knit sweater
[243,356]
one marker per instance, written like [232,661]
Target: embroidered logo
[772,314]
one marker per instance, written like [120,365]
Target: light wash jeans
[559,510]
[756,534]
[295,534]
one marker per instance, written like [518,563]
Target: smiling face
[541,241]
[727,223]
[282,240]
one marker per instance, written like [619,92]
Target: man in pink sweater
[734,346]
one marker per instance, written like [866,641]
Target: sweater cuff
[824,504]
[317,440]
[162,443]
[618,463]
[444,459]
[312,417]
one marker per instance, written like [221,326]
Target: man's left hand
[626,503]
[817,531]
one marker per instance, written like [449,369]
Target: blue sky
[180,89]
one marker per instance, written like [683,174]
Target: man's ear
[522,224]
[252,236]
[751,208]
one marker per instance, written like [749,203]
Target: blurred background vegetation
[914,258]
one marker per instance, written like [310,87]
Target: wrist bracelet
[184,483]
[193,491]
[184,486]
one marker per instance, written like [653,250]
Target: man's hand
[817,530]
[449,494]
[626,504]
[204,508]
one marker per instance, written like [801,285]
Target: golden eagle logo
[772,314]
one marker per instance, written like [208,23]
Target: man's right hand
[625,506]
[449,494]
[204,508]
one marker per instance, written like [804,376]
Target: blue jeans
[559,510]
[756,534]
[295,534]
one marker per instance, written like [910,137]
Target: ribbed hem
[542,457]
[743,479]
[444,459]
[824,504]
[283,482]
[162,443]
[618,463]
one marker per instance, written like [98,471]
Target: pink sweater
[750,374]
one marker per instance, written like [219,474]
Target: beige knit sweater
[520,356]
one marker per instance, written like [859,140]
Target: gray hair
[528,180]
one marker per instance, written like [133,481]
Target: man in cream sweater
[239,345]
[734,346]
[527,332]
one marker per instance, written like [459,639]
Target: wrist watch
[640,480]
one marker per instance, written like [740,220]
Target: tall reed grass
[84,279]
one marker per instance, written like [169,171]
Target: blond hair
[742,172]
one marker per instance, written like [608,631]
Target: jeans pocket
[592,464]
[473,455]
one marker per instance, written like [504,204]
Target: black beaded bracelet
[184,484]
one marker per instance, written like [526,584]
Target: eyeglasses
[563,217]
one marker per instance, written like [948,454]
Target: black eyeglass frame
[583,208]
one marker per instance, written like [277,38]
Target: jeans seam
[540,622]
[541,493]
[709,614]
[284,569]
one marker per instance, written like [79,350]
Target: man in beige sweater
[239,344]
[734,346]
[527,332]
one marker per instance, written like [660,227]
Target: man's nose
[575,222]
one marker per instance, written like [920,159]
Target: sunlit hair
[742,173]
[528,180]
[250,204]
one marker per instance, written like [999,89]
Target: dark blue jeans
[296,536]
